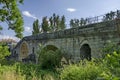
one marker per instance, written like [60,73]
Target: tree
[74,23]
[51,24]
[112,15]
[57,23]
[118,14]
[83,22]
[54,19]
[3,51]
[45,25]
[10,14]
[71,23]
[62,23]
[36,27]
[0,29]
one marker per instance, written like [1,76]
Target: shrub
[111,64]
[84,71]
[34,72]
[49,59]
[3,51]
[110,48]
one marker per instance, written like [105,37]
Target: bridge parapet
[103,27]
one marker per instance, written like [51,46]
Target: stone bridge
[77,43]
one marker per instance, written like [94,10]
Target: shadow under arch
[50,47]
[63,59]
[85,52]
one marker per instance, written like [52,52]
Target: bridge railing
[106,17]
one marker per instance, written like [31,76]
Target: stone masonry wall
[70,40]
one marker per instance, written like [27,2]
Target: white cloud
[9,37]
[71,9]
[28,29]
[28,14]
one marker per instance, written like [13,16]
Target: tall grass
[11,75]
[21,71]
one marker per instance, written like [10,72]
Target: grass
[21,71]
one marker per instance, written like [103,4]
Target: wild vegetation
[48,67]
[105,69]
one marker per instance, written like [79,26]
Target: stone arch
[85,52]
[64,60]
[24,50]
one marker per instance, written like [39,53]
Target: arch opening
[24,50]
[50,47]
[85,52]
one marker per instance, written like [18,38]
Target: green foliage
[49,57]
[83,71]
[54,23]
[76,22]
[110,48]
[72,23]
[21,71]
[3,51]
[34,71]
[109,16]
[36,27]
[45,25]
[111,64]
[9,73]
[107,68]
[9,13]
[57,23]
[0,28]
[62,23]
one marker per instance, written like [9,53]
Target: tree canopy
[51,24]
[57,23]
[45,25]
[36,27]
[11,15]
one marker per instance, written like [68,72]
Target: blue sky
[36,9]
